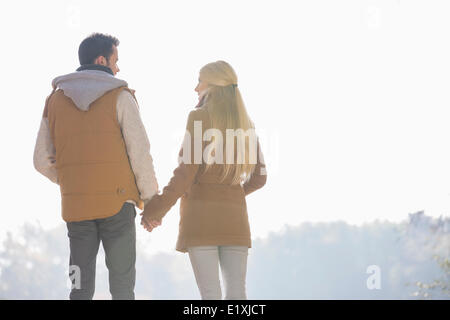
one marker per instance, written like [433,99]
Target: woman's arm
[182,179]
[259,176]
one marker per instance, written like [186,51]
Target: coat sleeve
[44,157]
[137,145]
[182,178]
[259,176]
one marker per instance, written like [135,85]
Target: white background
[350,99]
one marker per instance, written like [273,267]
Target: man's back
[94,173]
[92,142]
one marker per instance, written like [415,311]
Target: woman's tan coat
[211,212]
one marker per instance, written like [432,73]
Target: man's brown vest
[94,171]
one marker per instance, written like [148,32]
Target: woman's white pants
[205,262]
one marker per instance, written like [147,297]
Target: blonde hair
[226,109]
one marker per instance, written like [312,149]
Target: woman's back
[214,174]
[212,179]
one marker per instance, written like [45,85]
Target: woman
[212,182]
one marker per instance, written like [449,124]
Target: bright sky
[350,99]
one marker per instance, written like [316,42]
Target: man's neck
[95,67]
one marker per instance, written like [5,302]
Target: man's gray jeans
[118,236]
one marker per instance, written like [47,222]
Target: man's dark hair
[96,45]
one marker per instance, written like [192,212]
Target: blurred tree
[33,264]
[309,261]
[435,236]
[439,287]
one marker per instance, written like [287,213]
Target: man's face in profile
[112,61]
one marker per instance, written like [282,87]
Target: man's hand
[149,225]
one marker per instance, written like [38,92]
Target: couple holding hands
[93,144]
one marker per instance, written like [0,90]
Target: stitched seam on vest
[90,193]
[87,163]
[87,133]
[116,97]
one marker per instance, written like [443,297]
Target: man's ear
[101,60]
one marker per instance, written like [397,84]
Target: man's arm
[137,144]
[44,157]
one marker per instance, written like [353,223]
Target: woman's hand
[149,224]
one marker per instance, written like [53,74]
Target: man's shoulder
[126,102]
[55,95]
[126,93]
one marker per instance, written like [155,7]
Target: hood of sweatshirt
[86,86]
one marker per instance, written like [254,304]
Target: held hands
[149,224]
[146,221]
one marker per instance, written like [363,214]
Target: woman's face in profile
[201,87]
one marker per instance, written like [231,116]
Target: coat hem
[100,216]
[183,244]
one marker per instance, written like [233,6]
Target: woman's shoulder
[200,113]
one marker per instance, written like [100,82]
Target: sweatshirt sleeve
[259,176]
[183,177]
[44,158]
[137,145]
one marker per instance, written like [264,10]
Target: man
[92,143]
